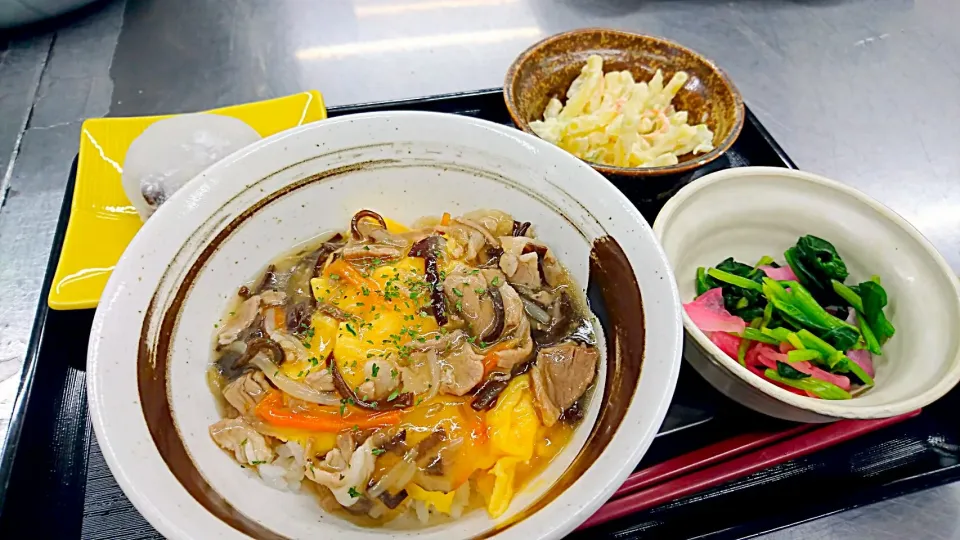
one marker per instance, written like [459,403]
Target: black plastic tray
[58,485]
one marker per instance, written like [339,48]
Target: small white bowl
[150,343]
[750,212]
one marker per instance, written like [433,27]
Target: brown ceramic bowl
[547,68]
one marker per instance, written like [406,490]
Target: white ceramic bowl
[149,345]
[750,212]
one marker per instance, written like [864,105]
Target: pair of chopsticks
[726,461]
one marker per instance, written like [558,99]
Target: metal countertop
[863,91]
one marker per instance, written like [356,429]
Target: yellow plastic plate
[102,220]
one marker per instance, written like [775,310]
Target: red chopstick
[704,457]
[741,466]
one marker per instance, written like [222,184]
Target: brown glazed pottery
[548,68]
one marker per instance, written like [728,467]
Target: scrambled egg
[513,422]
[437,499]
[513,428]
[390,306]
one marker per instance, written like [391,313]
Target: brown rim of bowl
[682,167]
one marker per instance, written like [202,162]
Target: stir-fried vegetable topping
[798,326]
[408,373]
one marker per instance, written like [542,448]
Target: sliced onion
[478,227]
[398,476]
[535,311]
[346,445]
[401,401]
[383,236]
[402,481]
[294,388]
[270,321]
[460,500]
[434,387]
[434,483]
[423,514]
[376,511]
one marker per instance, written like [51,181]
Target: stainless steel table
[864,91]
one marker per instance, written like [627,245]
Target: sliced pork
[560,376]
[382,377]
[461,369]
[466,291]
[371,252]
[246,391]
[242,318]
[248,446]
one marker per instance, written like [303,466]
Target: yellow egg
[320,342]
[395,227]
[551,440]
[513,422]
[438,499]
[504,472]
[389,306]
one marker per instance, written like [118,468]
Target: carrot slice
[491,358]
[318,418]
[350,274]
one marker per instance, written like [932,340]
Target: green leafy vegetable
[832,358]
[808,314]
[787,371]
[848,366]
[803,355]
[868,337]
[745,343]
[849,295]
[753,334]
[843,337]
[734,279]
[815,262]
[800,308]
[874,299]
[743,298]
[767,315]
[830,355]
[702,284]
[766,260]
[821,389]
[780,335]
[794,340]
[823,257]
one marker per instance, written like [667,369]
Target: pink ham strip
[708,313]
[769,358]
[784,273]
[862,358]
[728,343]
